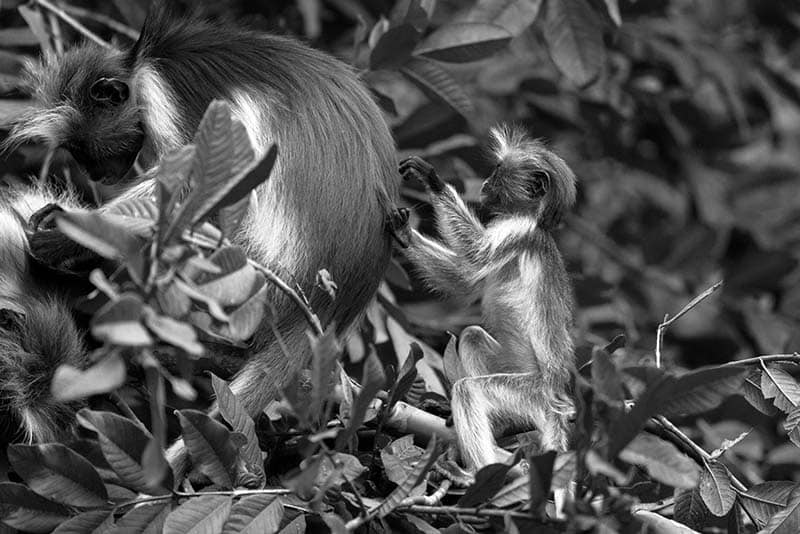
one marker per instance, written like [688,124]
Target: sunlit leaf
[212,447]
[204,514]
[463,42]
[763,501]
[716,489]
[256,514]
[70,383]
[662,461]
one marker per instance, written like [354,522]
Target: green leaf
[70,383]
[574,36]
[54,471]
[716,489]
[326,350]
[119,322]
[93,522]
[488,481]
[234,413]
[23,509]
[438,85]
[176,333]
[662,461]
[399,457]
[297,526]
[123,443]
[606,381]
[211,446]
[753,394]
[243,322]
[173,175]
[513,15]
[623,429]
[792,426]
[258,514]
[394,47]
[703,390]
[464,42]
[403,490]
[763,501]
[372,382]
[236,282]
[101,234]
[786,520]
[782,387]
[515,492]
[690,509]
[408,373]
[146,518]
[199,515]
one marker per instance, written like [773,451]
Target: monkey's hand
[416,167]
[398,227]
[43,217]
[52,249]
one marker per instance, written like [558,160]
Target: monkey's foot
[451,471]
[416,167]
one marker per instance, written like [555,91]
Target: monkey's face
[86,106]
[514,191]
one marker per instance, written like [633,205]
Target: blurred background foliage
[681,119]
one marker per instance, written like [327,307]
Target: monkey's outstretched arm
[441,267]
[458,226]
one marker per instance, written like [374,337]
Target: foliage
[679,118]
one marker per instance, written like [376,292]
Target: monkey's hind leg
[484,405]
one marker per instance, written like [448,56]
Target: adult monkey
[326,201]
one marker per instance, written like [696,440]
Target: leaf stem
[669,320]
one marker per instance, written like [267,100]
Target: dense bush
[680,118]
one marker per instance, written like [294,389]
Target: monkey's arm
[441,268]
[458,226]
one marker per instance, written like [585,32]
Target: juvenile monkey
[517,371]
[325,203]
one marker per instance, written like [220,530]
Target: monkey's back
[523,305]
[335,175]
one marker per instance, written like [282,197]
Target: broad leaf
[237,417]
[23,509]
[792,426]
[464,42]
[101,234]
[703,390]
[408,373]
[763,501]
[690,509]
[237,282]
[394,47]
[70,383]
[205,514]
[244,321]
[438,84]
[779,385]
[372,382]
[574,36]
[403,490]
[513,15]
[93,522]
[605,377]
[515,492]
[751,390]
[623,429]
[716,489]
[120,322]
[212,447]
[174,332]
[786,520]
[54,471]
[296,526]
[488,481]
[255,515]
[146,518]
[123,443]
[662,461]
[326,350]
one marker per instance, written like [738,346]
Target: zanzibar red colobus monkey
[517,374]
[325,203]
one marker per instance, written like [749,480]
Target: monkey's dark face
[86,106]
[519,191]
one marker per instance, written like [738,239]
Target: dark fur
[325,204]
[517,373]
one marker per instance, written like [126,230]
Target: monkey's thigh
[484,406]
[476,350]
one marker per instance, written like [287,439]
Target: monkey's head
[527,179]
[85,105]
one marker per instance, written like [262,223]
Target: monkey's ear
[540,183]
[109,91]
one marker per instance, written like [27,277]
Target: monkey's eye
[109,91]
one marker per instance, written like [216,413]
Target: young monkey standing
[516,373]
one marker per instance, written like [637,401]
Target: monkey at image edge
[324,205]
[515,374]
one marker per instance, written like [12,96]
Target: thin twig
[669,320]
[104,20]
[757,360]
[66,17]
